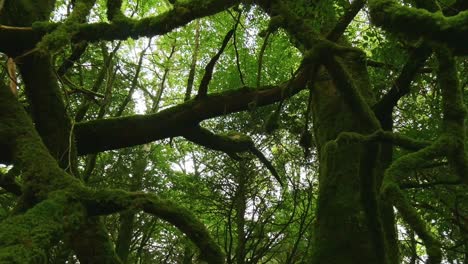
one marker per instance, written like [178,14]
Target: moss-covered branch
[420,23]
[454,112]
[114,10]
[45,200]
[27,238]
[384,136]
[120,29]
[63,33]
[107,134]
[113,201]
[391,191]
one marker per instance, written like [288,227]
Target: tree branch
[345,20]
[161,24]
[203,88]
[106,202]
[230,143]
[101,135]
[401,86]
[419,23]
[384,136]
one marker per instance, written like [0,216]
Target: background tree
[342,124]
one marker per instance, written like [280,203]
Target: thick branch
[113,133]
[391,191]
[454,111]
[384,136]
[419,23]
[123,29]
[349,90]
[113,201]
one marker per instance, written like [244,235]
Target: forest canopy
[233,131]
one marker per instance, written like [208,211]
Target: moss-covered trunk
[349,225]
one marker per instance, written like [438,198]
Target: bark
[348,227]
[193,64]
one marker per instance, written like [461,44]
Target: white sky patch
[140,102]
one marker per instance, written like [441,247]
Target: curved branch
[107,134]
[392,192]
[231,143]
[105,202]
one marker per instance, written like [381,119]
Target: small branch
[193,64]
[231,143]
[76,89]
[401,86]
[241,76]
[203,88]
[260,58]
[345,20]
[78,50]
[134,83]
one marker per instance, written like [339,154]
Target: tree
[353,122]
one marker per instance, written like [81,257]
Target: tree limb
[161,24]
[203,88]
[106,202]
[419,23]
[401,86]
[106,134]
[230,143]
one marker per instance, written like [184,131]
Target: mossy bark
[349,227]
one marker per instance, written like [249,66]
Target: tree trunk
[348,228]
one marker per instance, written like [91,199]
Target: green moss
[391,192]
[26,238]
[62,34]
[414,23]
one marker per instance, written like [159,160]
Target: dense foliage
[189,131]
